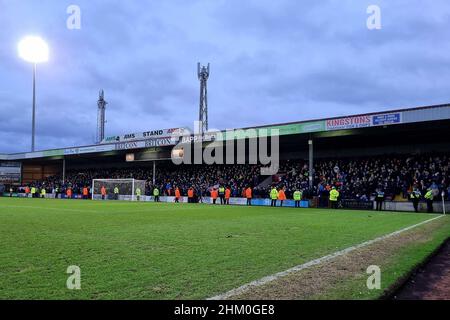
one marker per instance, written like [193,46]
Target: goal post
[118,189]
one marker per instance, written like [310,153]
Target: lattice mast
[101,120]
[203,75]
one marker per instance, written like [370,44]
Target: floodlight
[33,49]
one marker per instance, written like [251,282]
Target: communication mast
[203,75]
[101,103]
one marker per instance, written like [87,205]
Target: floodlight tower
[203,75]
[35,50]
[101,103]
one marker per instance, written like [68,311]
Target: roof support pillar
[311,163]
[64,171]
[154,172]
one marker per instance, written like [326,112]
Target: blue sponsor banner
[388,118]
[260,202]
[286,203]
[291,203]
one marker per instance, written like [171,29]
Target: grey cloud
[272,61]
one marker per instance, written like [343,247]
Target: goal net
[118,189]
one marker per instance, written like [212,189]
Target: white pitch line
[267,279]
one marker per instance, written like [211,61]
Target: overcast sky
[271,62]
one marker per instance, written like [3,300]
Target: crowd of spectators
[359,178]
[168,176]
[355,178]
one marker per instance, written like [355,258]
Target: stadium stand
[357,179]
[390,150]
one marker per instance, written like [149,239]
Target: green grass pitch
[164,250]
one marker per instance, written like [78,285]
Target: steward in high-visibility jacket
[156,194]
[138,193]
[214,195]
[281,196]
[227,195]
[116,193]
[103,192]
[415,198]
[334,195]
[248,195]
[85,193]
[43,192]
[222,194]
[177,194]
[379,198]
[191,195]
[429,198]
[33,192]
[273,197]
[297,198]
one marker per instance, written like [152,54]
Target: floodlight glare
[33,49]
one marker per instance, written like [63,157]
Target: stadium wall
[387,206]
[408,206]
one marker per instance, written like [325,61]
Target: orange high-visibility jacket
[214,194]
[227,194]
[248,193]
[190,193]
[85,191]
[177,193]
[281,195]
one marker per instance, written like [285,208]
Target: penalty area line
[257,283]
